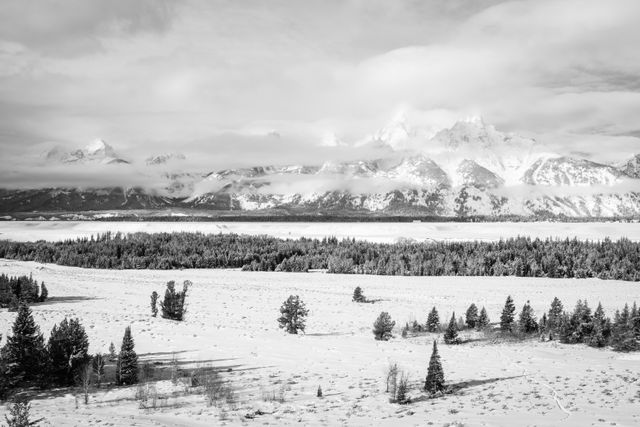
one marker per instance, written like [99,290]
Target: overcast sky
[198,75]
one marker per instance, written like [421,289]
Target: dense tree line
[520,256]
[14,290]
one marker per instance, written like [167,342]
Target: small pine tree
[483,320]
[44,292]
[433,321]
[383,326]
[554,319]
[19,414]
[112,352]
[405,330]
[434,382]
[416,327]
[127,364]
[527,322]
[358,296]
[402,390]
[471,316]
[319,392]
[451,334]
[542,325]
[154,304]
[293,315]
[506,318]
[24,352]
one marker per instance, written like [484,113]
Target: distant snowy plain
[371,231]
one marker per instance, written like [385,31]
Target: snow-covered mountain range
[468,169]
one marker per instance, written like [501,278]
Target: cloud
[212,78]
[74,27]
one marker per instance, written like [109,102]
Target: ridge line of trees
[520,256]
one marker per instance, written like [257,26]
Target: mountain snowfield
[466,170]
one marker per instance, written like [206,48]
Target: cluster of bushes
[519,256]
[64,360]
[14,290]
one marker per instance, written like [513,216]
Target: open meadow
[231,325]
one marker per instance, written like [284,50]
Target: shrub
[293,315]
[383,326]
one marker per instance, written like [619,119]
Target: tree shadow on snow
[462,385]
[65,299]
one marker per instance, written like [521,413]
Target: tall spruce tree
[451,334]
[434,383]
[471,316]
[25,353]
[68,350]
[44,292]
[483,320]
[433,321]
[127,364]
[506,318]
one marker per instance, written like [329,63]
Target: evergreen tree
[554,319]
[506,318]
[293,315]
[44,292]
[472,316]
[527,322]
[24,352]
[154,303]
[434,382]
[68,350]
[19,415]
[543,322]
[112,352]
[416,327]
[127,364]
[383,326]
[433,321]
[483,320]
[173,305]
[358,296]
[451,334]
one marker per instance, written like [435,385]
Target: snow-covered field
[232,323]
[374,232]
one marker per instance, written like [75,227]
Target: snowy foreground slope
[231,323]
[369,231]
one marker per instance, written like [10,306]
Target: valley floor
[231,324]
